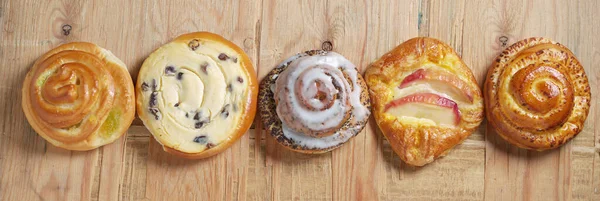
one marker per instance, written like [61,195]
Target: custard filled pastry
[537,94]
[79,96]
[425,99]
[314,102]
[197,94]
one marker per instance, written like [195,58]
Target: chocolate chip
[187,115]
[155,112]
[153,101]
[210,145]
[154,86]
[202,139]
[199,124]
[223,57]
[170,71]
[204,67]
[176,105]
[229,87]
[194,44]
[240,79]
[225,111]
[180,75]
[234,59]
[197,116]
[145,86]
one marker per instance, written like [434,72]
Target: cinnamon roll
[537,94]
[314,102]
[425,99]
[197,94]
[78,96]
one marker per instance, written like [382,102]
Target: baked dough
[425,99]
[537,94]
[79,96]
[314,102]
[197,94]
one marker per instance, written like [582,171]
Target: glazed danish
[314,102]
[537,94]
[79,96]
[197,94]
[425,99]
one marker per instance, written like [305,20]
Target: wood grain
[484,167]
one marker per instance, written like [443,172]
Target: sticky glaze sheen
[307,123]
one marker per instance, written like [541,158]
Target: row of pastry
[199,94]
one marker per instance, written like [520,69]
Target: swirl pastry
[314,102]
[537,94]
[79,96]
[197,94]
[425,99]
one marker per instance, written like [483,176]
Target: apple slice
[426,105]
[442,81]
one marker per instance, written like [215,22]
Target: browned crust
[419,144]
[272,122]
[250,105]
[120,76]
[537,140]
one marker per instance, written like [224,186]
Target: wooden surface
[484,167]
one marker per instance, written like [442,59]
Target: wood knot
[327,46]
[503,40]
[66,29]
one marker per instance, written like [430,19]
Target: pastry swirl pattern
[321,101]
[77,91]
[538,95]
[197,93]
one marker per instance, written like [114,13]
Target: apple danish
[425,99]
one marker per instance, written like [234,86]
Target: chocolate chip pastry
[79,96]
[314,102]
[537,94]
[425,99]
[197,94]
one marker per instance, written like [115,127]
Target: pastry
[79,96]
[537,94]
[425,99]
[314,102]
[197,94]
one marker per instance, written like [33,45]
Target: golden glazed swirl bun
[79,96]
[314,102]
[197,94]
[425,99]
[537,94]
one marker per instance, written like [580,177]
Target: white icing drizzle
[300,79]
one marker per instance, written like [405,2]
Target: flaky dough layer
[537,94]
[79,96]
[419,140]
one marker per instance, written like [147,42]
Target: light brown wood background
[484,167]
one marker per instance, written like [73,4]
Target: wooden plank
[513,173]
[257,168]
[294,176]
[358,166]
[133,186]
[222,177]
[31,168]
[460,174]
